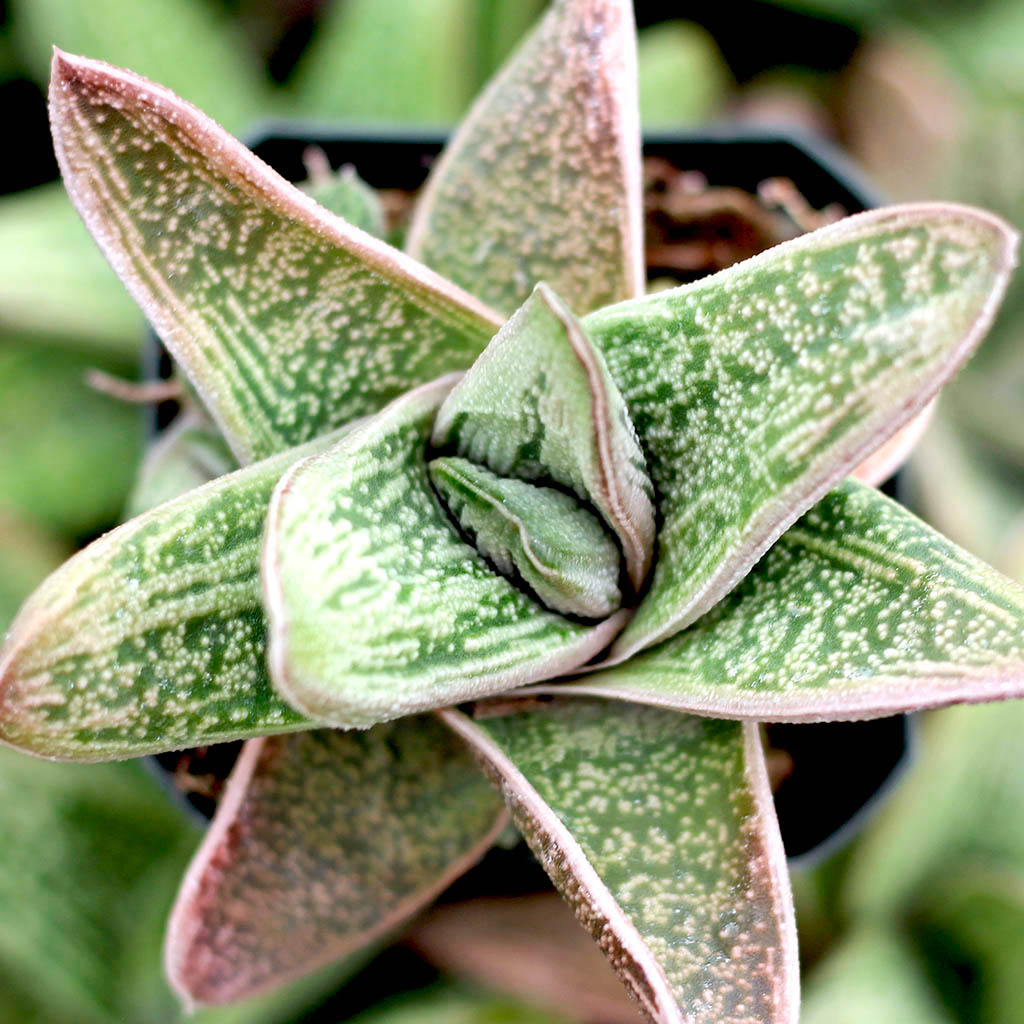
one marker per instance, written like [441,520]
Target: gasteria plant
[594,553]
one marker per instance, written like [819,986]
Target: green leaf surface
[67,453]
[540,404]
[659,830]
[152,638]
[182,43]
[858,611]
[559,549]
[76,299]
[447,1004]
[343,193]
[377,607]
[323,842]
[288,320]
[85,848]
[757,389]
[962,803]
[873,975]
[542,180]
[405,61]
[683,79]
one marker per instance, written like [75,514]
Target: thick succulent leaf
[323,842]
[531,947]
[542,180]
[77,299]
[858,611]
[872,976]
[288,320]
[558,548]
[377,608]
[152,638]
[755,390]
[187,455]
[886,460]
[659,829]
[540,404]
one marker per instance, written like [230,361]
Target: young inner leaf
[560,550]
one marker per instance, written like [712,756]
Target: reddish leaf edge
[71,75]
[650,989]
[183,925]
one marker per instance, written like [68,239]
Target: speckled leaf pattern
[377,608]
[540,404]
[859,610]
[755,390]
[152,638]
[288,320]
[558,549]
[323,842]
[659,830]
[542,180]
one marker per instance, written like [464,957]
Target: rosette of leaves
[497,506]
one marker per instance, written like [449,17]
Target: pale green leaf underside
[559,549]
[540,404]
[323,842]
[659,829]
[288,320]
[377,607]
[755,390]
[344,194]
[859,610]
[187,455]
[542,180]
[152,638]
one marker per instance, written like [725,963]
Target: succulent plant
[497,507]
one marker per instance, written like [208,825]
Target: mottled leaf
[408,61]
[558,549]
[755,390]
[188,454]
[152,638]
[377,607]
[540,404]
[77,299]
[288,320]
[529,946]
[858,611]
[873,975]
[542,180]
[886,460]
[659,830]
[322,843]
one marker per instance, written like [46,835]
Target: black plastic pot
[839,771]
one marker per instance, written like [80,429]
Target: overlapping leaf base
[859,610]
[658,828]
[755,390]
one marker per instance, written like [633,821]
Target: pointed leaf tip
[265,298]
[659,830]
[757,389]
